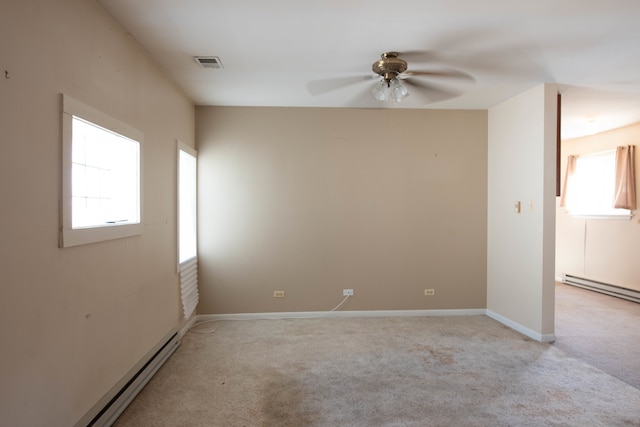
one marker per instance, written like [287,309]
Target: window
[101,186]
[589,189]
[187,203]
[187,228]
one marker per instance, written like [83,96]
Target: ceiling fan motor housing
[389,66]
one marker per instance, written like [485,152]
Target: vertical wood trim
[558,121]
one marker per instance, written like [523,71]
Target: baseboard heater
[605,288]
[109,408]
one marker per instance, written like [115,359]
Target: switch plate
[278,294]
[429,292]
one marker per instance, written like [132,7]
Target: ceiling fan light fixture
[398,91]
[380,91]
[391,89]
[389,66]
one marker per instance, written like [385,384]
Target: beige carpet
[599,329]
[413,371]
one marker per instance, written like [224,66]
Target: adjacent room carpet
[602,330]
[399,371]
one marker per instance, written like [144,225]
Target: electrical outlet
[347,292]
[429,292]
[278,294]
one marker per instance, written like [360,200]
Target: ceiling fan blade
[364,99]
[502,59]
[431,92]
[448,73]
[318,87]
[483,51]
[417,56]
[445,43]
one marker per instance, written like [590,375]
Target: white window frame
[68,235]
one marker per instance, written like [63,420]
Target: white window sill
[83,236]
[589,216]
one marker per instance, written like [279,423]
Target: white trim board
[520,328]
[187,326]
[335,314]
[201,318]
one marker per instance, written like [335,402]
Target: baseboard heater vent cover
[109,408]
[605,288]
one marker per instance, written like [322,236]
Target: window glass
[593,185]
[187,204]
[105,176]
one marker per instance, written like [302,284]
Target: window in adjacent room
[590,185]
[101,185]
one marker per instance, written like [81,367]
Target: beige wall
[521,162]
[312,201]
[600,249]
[74,321]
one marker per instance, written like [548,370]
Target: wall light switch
[516,207]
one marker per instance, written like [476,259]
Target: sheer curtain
[568,179]
[625,190]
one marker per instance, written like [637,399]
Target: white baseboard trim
[337,314]
[374,313]
[187,326]
[602,287]
[520,328]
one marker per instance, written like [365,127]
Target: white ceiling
[279,52]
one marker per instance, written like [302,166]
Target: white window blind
[189,286]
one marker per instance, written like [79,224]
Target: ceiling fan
[395,77]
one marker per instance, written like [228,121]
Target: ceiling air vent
[210,62]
